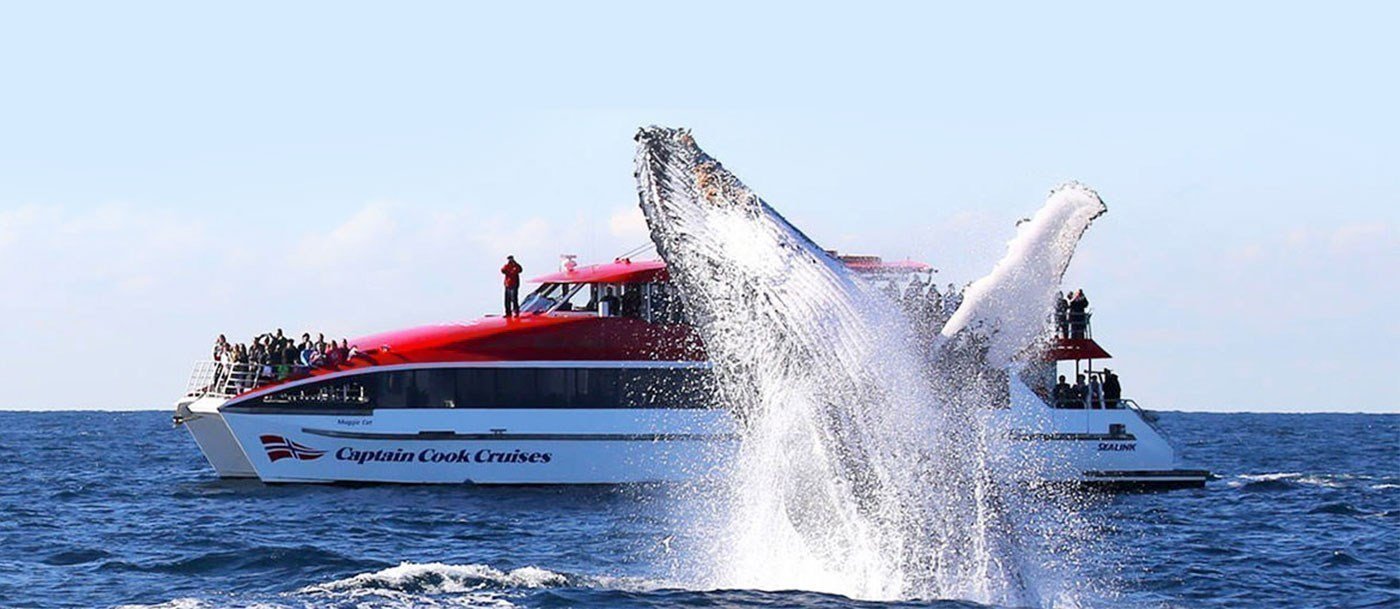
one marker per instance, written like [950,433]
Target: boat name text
[432,455]
[1117,446]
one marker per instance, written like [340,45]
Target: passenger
[952,299]
[1061,315]
[512,270]
[1061,392]
[321,342]
[1112,391]
[290,356]
[307,353]
[609,304]
[891,291]
[1078,314]
[632,301]
[350,351]
[1095,396]
[221,348]
[277,348]
[935,307]
[340,353]
[915,289]
[1079,392]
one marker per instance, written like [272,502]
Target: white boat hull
[206,424]
[1112,447]
[486,446]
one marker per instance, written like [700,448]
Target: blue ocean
[113,509]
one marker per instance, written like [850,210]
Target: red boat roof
[531,337]
[648,271]
[1075,348]
[895,266]
[620,271]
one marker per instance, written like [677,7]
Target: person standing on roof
[1078,314]
[512,270]
[1061,315]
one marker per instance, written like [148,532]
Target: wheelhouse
[638,290]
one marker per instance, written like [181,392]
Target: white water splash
[440,578]
[1010,304]
[868,467]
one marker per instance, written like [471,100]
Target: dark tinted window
[435,388]
[392,389]
[509,388]
[516,388]
[476,387]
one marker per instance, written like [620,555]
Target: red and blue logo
[279,448]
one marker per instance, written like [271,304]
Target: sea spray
[1010,305]
[817,367]
[867,466]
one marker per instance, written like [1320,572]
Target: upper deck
[624,310]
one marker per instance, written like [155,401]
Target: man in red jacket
[512,272]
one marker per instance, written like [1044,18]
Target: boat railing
[1147,416]
[222,379]
[1078,325]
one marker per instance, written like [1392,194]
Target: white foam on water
[1329,481]
[198,603]
[441,578]
[178,603]
[867,467]
[411,584]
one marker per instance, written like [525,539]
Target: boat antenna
[640,249]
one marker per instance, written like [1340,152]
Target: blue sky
[172,171]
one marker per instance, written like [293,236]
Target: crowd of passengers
[1072,315]
[1099,390]
[276,355]
[926,302]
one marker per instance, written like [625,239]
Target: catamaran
[600,380]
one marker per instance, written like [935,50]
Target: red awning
[622,271]
[1075,348]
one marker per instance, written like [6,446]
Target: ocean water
[111,509]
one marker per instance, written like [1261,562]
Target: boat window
[427,388]
[678,387]
[339,393]
[434,388]
[577,297]
[632,300]
[476,387]
[544,298]
[595,388]
[666,387]
[664,304]
[393,389]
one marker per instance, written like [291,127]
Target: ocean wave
[442,578]
[1284,480]
[1336,509]
[179,603]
